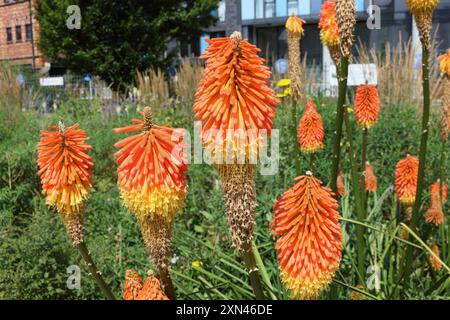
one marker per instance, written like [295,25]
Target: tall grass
[10,96]
[398,80]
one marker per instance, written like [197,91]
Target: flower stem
[422,161]
[294,138]
[95,273]
[360,244]
[342,73]
[253,271]
[362,187]
[167,283]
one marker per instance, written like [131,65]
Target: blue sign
[281,66]
[87,78]
[20,79]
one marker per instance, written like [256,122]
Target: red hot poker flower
[406,179]
[310,129]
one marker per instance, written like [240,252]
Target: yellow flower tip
[418,7]
[295,25]
[444,63]
[309,288]
[155,202]
[197,264]
[350,110]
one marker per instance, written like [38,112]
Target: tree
[117,38]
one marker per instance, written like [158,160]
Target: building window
[292,7]
[359,5]
[221,10]
[269,8]
[18,33]
[305,7]
[9,34]
[28,32]
[259,9]
[247,9]
[281,8]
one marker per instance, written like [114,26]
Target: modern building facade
[262,22]
[19,33]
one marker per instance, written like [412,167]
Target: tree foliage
[116,38]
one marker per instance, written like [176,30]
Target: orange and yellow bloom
[444,63]
[406,174]
[310,129]
[435,263]
[309,237]
[152,165]
[435,214]
[370,180]
[65,167]
[134,289]
[295,25]
[367,105]
[329,30]
[234,97]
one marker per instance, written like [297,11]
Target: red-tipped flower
[152,165]
[134,289]
[406,179]
[65,167]
[370,179]
[310,129]
[435,214]
[310,238]
[367,105]
[234,95]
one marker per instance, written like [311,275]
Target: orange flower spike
[340,184]
[406,174]
[234,93]
[134,289]
[133,285]
[370,179]
[65,168]
[151,172]
[295,24]
[435,263]
[367,105]
[309,237]
[435,214]
[329,30]
[444,63]
[310,129]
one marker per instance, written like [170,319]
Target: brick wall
[12,14]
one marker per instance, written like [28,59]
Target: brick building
[19,33]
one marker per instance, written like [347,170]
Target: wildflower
[406,179]
[422,11]
[152,181]
[444,63]
[197,264]
[367,105]
[357,295]
[65,169]
[233,94]
[346,20]
[309,237]
[370,180]
[134,289]
[329,31]
[294,26]
[435,214]
[340,185]
[310,129]
[151,172]
[435,263]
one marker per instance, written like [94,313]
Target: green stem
[362,187]
[253,271]
[360,244]
[422,161]
[311,163]
[167,283]
[294,137]
[441,181]
[94,272]
[342,74]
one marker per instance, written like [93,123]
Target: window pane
[259,9]
[292,7]
[18,33]
[203,43]
[9,36]
[281,8]
[304,7]
[315,6]
[269,10]
[359,5]
[28,31]
[221,10]
[247,9]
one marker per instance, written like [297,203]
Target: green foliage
[36,252]
[116,40]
